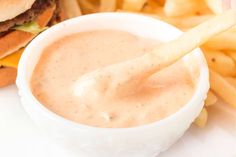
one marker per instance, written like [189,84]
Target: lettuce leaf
[31,27]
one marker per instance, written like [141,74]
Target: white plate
[19,137]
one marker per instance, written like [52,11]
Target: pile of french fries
[220,51]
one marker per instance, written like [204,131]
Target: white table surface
[19,137]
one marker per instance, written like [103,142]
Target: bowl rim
[24,89]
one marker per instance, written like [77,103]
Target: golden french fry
[211,99]
[175,8]
[220,62]
[183,22]
[156,2]
[188,22]
[232,81]
[201,120]
[216,6]
[89,6]
[133,5]
[71,8]
[223,88]
[153,7]
[119,4]
[223,41]
[107,5]
[175,49]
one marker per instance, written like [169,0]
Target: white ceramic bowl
[142,141]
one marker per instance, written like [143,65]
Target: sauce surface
[66,60]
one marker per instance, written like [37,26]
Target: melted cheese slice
[12,60]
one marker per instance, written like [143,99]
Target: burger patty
[37,8]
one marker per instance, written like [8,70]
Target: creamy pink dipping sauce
[64,61]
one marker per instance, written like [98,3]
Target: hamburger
[20,22]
